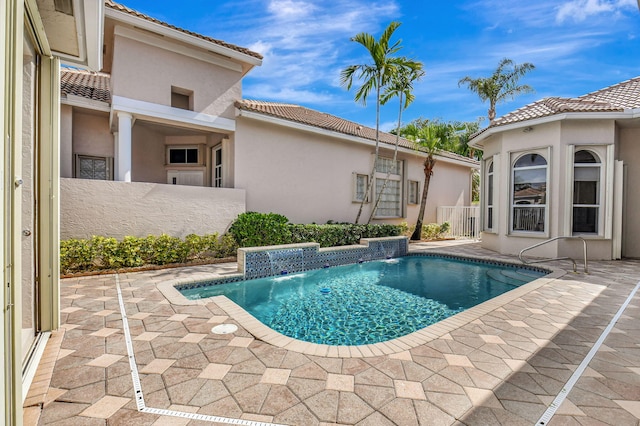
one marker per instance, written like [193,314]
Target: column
[124,146]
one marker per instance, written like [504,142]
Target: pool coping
[390,347]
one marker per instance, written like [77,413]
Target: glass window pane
[585,219]
[528,218]
[585,192]
[192,155]
[390,200]
[586,173]
[585,157]
[530,176]
[530,160]
[490,218]
[490,191]
[177,156]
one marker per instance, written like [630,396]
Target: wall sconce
[528,129]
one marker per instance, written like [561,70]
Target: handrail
[575,267]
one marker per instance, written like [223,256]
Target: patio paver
[504,366]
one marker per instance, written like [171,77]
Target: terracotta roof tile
[116,6]
[302,115]
[616,98]
[87,84]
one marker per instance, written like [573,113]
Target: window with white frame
[587,169]
[217,167]
[413,192]
[360,183]
[390,193]
[183,155]
[529,193]
[489,203]
[92,167]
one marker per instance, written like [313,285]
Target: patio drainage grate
[559,399]
[137,387]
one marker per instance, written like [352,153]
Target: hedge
[99,253]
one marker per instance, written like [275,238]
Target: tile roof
[616,98]
[306,116]
[119,7]
[87,84]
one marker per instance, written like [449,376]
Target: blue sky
[577,46]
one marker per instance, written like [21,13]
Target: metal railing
[575,266]
[464,221]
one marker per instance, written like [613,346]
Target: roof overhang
[349,138]
[477,141]
[74,29]
[248,61]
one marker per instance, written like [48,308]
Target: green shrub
[252,229]
[332,235]
[107,253]
[433,231]
[76,255]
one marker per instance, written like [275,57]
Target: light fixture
[528,129]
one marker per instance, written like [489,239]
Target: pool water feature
[369,302]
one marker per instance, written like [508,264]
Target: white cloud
[580,10]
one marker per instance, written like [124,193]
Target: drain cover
[224,329]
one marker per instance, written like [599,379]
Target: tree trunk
[395,157]
[429,162]
[375,160]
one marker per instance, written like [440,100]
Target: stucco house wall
[605,124]
[119,209]
[309,177]
[629,153]
[136,75]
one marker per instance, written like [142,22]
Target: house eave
[477,142]
[345,137]
[126,18]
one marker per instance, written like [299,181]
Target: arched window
[529,193]
[586,192]
[489,220]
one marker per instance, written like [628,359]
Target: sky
[576,46]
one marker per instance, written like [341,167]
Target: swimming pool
[369,302]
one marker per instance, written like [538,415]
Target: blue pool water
[369,302]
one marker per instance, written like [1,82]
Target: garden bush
[100,253]
[252,229]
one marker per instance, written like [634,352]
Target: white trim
[627,114]
[357,139]
[82,102]
[617,209]
[181,36]
[608,187]
[175,48]
[168,115]
[568,190]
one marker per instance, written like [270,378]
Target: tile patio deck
[503,366]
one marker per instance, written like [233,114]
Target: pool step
[510,277]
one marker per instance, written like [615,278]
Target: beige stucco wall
[147,154]
[308,177]
[91,133]
[553,138]
[629,153]
[118,209]
[135,74]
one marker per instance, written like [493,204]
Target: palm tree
[428,138]
[501,86]
[401,85]
[375,75]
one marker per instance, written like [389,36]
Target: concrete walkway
[503,365]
